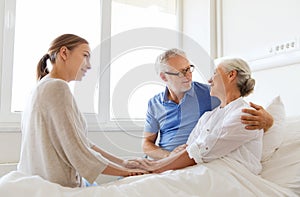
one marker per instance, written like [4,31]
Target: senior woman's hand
[178,149]
[258,118]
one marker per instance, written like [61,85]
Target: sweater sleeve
[68,132]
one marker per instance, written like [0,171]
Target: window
[133,79]
[140,31]
[125,38]
[29,28]
[34,30]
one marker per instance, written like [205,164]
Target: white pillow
[273,137]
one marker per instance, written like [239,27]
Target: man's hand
[258,118]
[151,149]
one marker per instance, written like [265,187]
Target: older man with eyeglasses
[172,114]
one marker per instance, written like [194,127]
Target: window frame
[10,121]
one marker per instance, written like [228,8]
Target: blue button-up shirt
[173,121]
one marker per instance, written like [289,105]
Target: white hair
[244,81]
[161,63]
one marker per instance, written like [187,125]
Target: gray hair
[244,81]
[161,63]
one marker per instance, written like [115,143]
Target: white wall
[250,28]
[283,81]
[196,22]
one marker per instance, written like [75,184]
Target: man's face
[179,84]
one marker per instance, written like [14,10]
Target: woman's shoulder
[53,88]
[53,83]
[234,109]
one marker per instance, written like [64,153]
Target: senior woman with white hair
[220,133]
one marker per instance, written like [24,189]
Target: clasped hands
[141,166]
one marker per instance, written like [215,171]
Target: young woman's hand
[135,172]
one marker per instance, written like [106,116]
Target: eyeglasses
[183,72]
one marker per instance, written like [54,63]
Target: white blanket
[221,177]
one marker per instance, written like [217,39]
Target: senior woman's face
[218,82]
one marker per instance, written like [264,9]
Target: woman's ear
[63,51]
[163,76]
[233,74]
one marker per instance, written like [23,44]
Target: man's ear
[163,76]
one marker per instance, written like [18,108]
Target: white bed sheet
[222,177]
